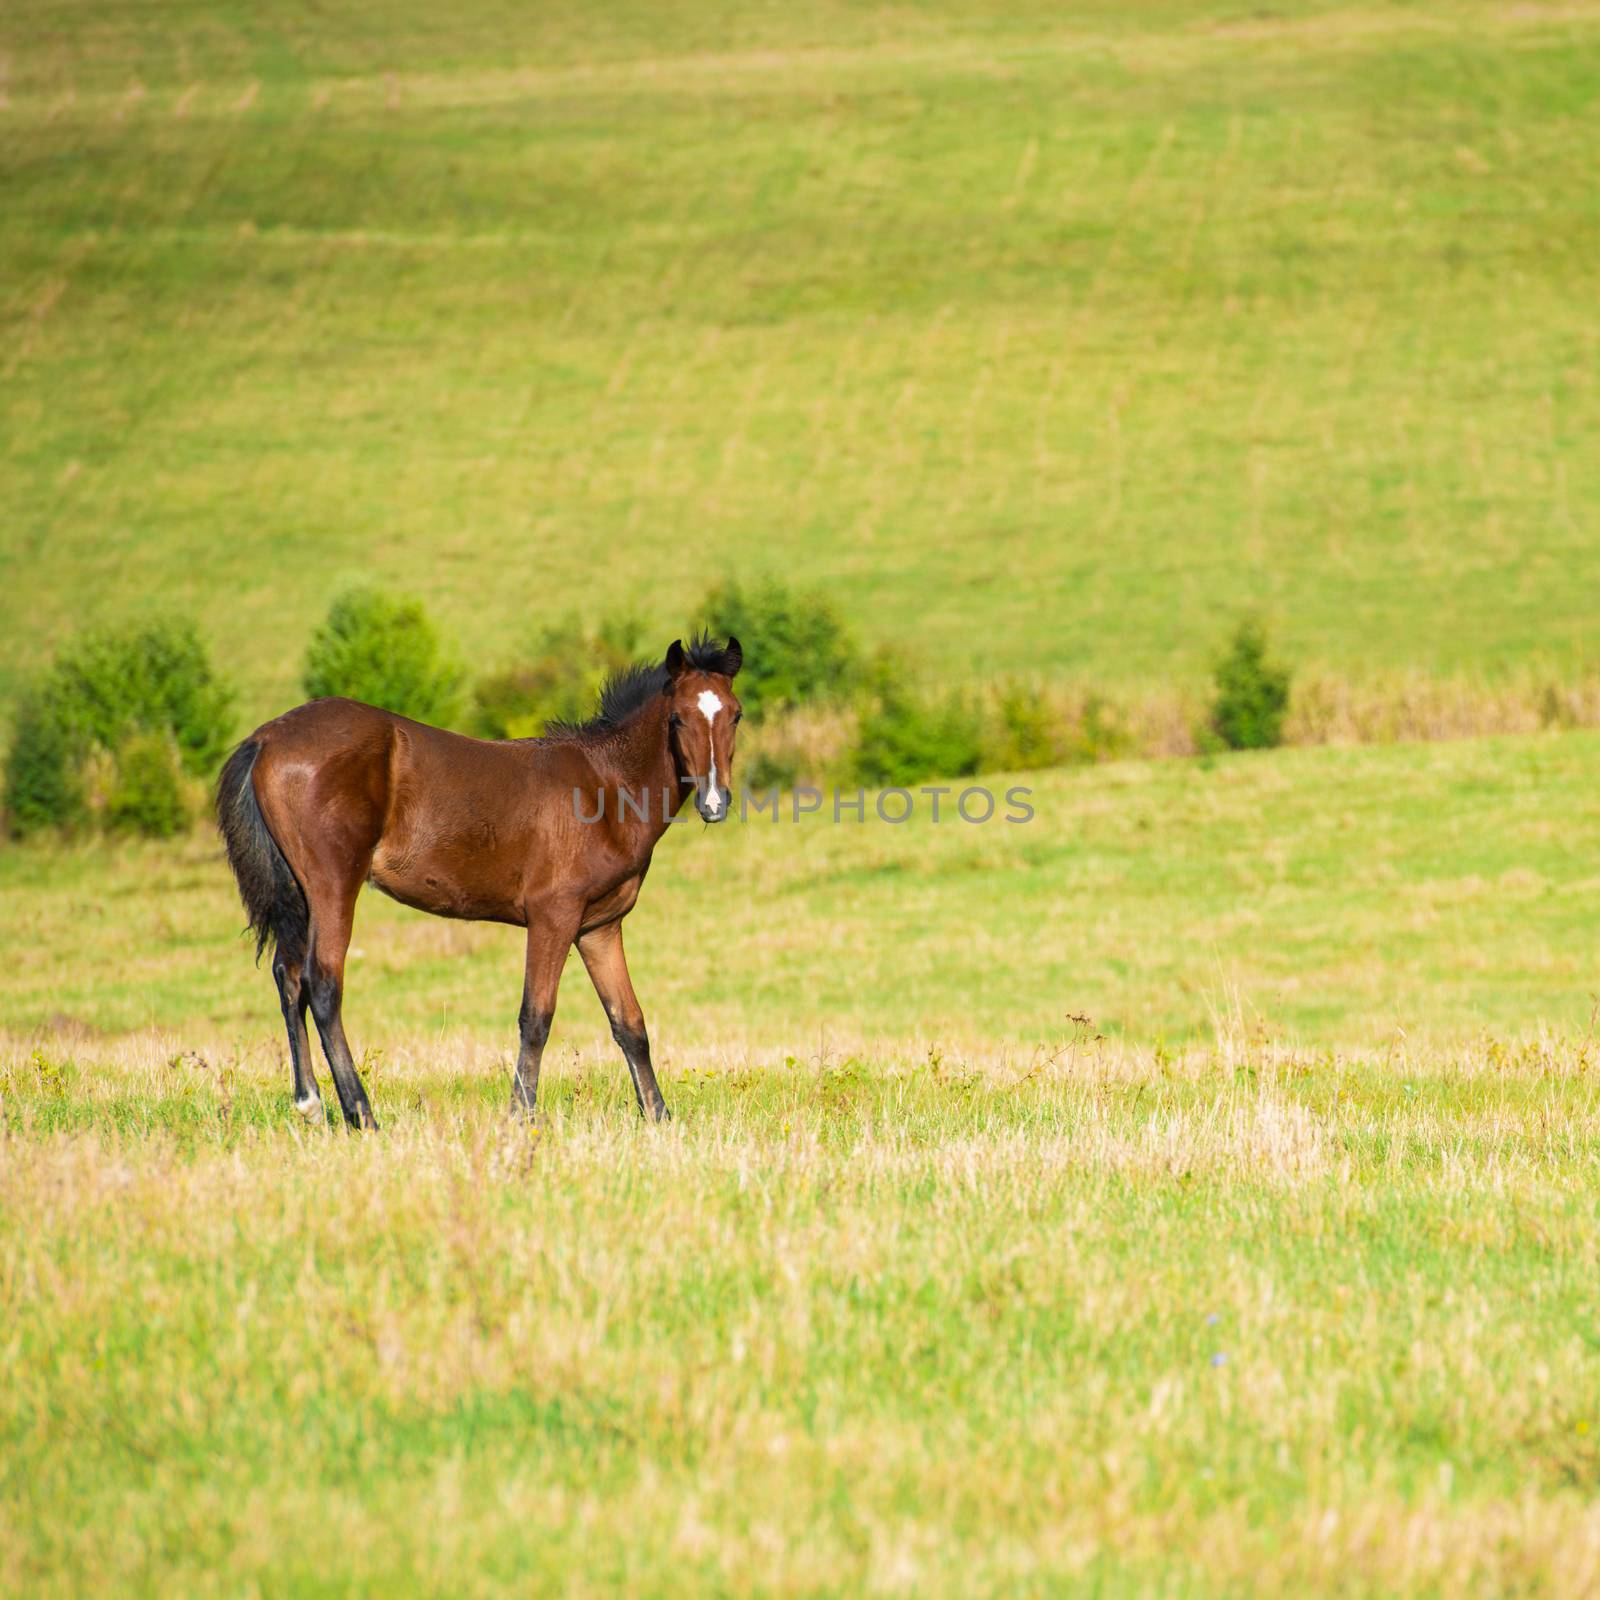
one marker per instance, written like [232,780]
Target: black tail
[273,898]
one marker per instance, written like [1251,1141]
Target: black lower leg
[292,997]
[326,1001]
[533,1029]
[635,1045]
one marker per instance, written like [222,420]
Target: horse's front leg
[601,949]
[549,939]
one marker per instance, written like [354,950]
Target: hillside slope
[1044,336]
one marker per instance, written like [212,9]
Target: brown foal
[552,834]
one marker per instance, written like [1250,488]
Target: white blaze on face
[710,705]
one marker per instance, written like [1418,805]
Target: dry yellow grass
[1239,1321]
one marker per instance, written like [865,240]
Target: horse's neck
[642,760]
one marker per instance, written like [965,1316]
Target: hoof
[309,1106]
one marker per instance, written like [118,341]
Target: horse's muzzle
[712,804]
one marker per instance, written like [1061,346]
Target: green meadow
[1188,1192]
[1326,897]
[1050,337]
[1238,1323]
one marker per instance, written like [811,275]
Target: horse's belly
[434,888]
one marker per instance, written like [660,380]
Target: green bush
[1026,727]
[773,769]
[517,701]
[44,779]
[796,647]
[155,678]
[908,734]
[382,649]
[559,682]
[147,787]
[1024,730]
[1099,736]
[1251,693]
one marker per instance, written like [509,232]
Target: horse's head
[702,713]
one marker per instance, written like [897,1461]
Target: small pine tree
[1251,692]
[381,648]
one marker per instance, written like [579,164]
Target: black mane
[628,690]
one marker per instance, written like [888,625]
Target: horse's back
[348,733]
[443,820]
[334,722]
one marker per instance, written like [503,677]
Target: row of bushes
[804,659]
[127,727]
[895,730]
[383,649]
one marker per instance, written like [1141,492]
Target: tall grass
[1241,1320]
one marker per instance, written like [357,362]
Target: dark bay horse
[552,834]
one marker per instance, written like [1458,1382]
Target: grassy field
[1189,1192]
[1240,1322]
[1328,897]
[1278,1276]
[1051,336]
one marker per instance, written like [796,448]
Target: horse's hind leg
[326,820]
[330,939]
[294,997]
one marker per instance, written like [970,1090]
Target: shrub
[517,702]
[382,649]
[908,734]
[155,679]
[560,682]
[1101,733]
[813,745]
[1251,693]
[44,782]
[147,787]
[1026,727]
[779,768]
[1024,730]
[797,649]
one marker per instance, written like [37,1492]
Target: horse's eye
[738,717]
[675,721]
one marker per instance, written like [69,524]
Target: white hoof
[309,1105]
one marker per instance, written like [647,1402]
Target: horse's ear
[732,658]
[675,660]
